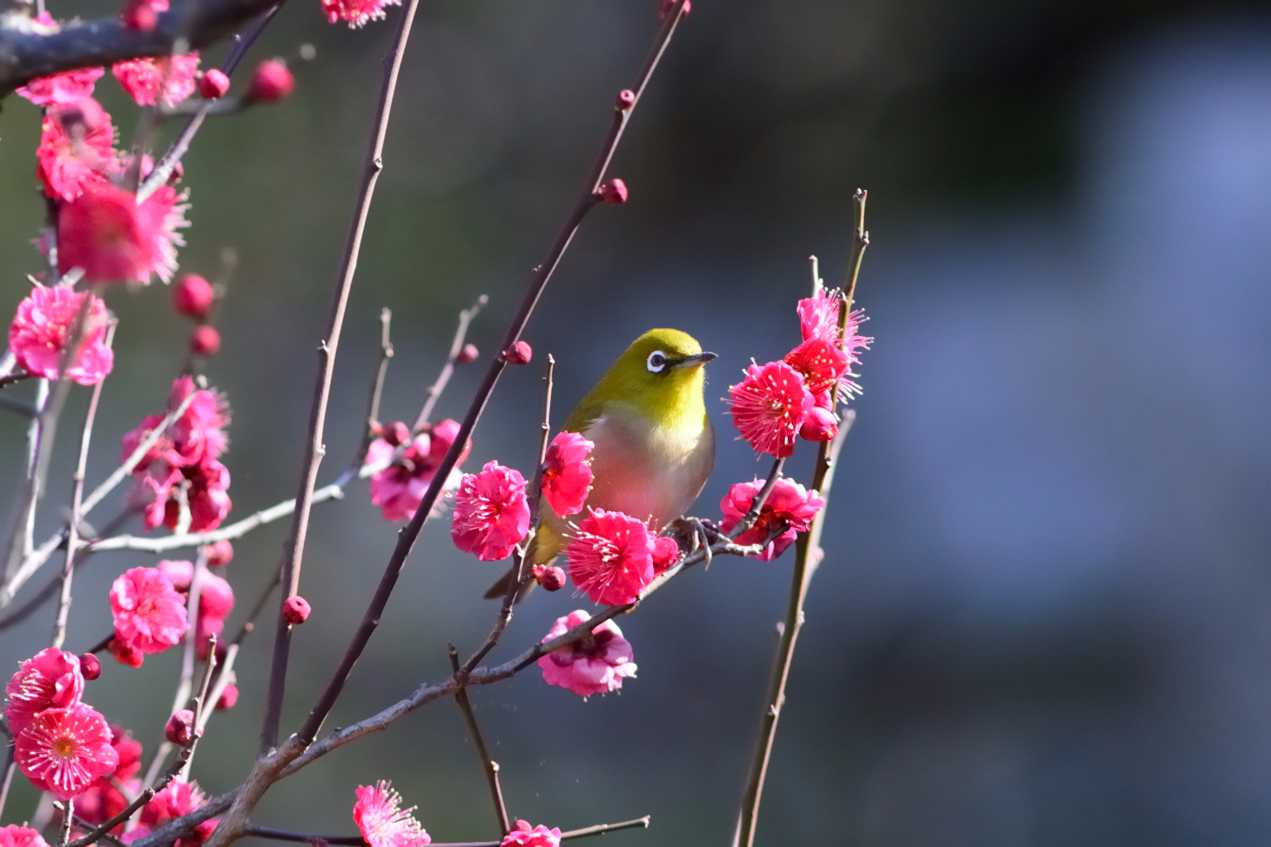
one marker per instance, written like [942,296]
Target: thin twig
[377,389]
[10,379]
[33,562]
[466,316]
[808,552]
[6,776]
[168,162]
[77,498]
[356,840]
[314,449]
[488,766]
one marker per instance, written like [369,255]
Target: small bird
[654,444]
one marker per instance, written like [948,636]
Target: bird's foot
[697,534]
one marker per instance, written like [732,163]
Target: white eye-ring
[656,362]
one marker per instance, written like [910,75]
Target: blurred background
[1045,612]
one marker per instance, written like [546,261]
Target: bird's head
[660,375]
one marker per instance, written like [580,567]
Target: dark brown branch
[77,501]
[10,379]
[314,449]
[538,282]
[466,316]
[488,766]
[196,23]
[356,840]
[808,553]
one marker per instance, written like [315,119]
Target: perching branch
[314,448]
[25,56]
[808,554]
[356,840]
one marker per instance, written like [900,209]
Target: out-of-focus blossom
[192,296]
[356,13]
[567,475]
[76,150]
[491,514]
[666,552]
[109,236]
[161,80]
[178,798]
[272,81]
[45,324]
[383,822]
[595,665]
[51,679]
[149,612]
[143,15]
[64,751]
[610,557]
[62,89]
[525,835]
[410,463]
[14,835]
[788,511]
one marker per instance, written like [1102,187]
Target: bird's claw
[697,534]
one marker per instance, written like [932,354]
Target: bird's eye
[657,362]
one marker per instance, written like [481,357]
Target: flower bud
[820,425]
[229,697]
[519,353]
[214,85]
[218,553]
[180,728]
[192,296]
[626,99]
[205,341]
[139,16]
[295,610]
[612,191]
[666,552]
[468,354]
[669,5]
[396,433]
[550,577]
[90,666]
[271,82]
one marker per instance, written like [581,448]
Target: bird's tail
[500,588]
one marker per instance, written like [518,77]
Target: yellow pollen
[64,747]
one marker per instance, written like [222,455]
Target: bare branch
[488,766]
[466,316]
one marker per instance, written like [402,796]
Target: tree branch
[488,765]
[24,56]
[466,316]
[356,840]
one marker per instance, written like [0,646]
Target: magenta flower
[788,511]
[383,822]
[178,798]
[819,315]
[109,236]
[165,80]
[149,612]
[822,364]
[356,13]
[77,149]
[595,665]
[567,475]
[491,514]
[205,488]
[665,551]
[216,601]
[103,800]
[64,751]
[198,434]
[819,320]
[51,679]
[768,407]
[524,835]
[62,89]
[43,326]
[20,836]
[410,463]
[610,557]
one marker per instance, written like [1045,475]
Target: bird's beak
[694,360]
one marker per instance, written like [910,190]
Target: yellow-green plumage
[654,444]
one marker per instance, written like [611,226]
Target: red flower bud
[90,666]
[468,354]
[396,433]
[192,296]
[271,82]
[205,341]
[229,697]
[669,5]
[218,553]
[612,191]
[295,609]
[180,728]
[519,353]
[550,577]
[626,99]
[666,552]
[214,84]
[138,16]
[820,425]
